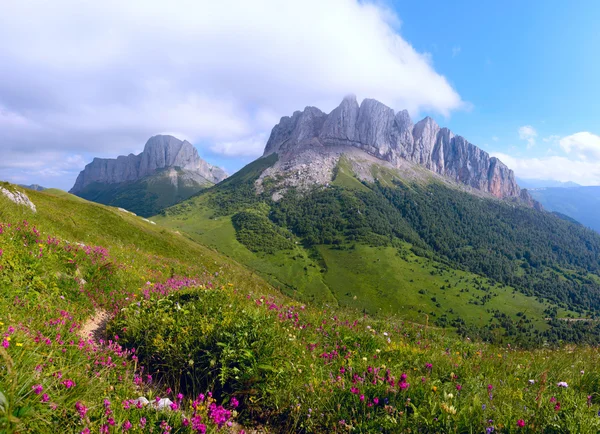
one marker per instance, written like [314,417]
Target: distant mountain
[166,172]
[545,183]
[579,203]
[35,187]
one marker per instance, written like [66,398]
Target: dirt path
[95,327]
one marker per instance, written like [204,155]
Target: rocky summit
[392,137]
[160,152]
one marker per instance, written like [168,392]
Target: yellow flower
[434,388]
[19,344]
[8,338]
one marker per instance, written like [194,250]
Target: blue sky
[519,79]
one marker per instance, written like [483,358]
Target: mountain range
[310,143]
[166,172]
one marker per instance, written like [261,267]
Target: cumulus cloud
[529,134]
[579,163]
[586,146]
[99,78]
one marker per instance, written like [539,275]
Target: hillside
[261,359]
[579,203]
[420,249]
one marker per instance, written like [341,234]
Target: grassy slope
[146,196]
[382,281]
[77,220]
[297,390]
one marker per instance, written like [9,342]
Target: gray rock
[19,198]
[160,152]
[375,129]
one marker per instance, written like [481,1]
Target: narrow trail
[95,327]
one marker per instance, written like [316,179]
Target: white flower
[563,384]
[531,381]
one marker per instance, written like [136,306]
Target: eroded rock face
[160,152]
[377,130]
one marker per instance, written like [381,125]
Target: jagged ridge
[392,137]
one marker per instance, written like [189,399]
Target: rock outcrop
[392,137]
[160,152]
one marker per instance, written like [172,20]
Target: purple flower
[81,409]
[127,425]
[69,383]
[37,389]
[563,384]
[234,402]
[5,343]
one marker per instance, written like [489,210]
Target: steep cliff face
[392,137]
[160,152]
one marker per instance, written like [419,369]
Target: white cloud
[103,77]
[529,134]
[579,162]
[556,168]
[247,147]
[586,146]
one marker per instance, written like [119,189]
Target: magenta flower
[37,389]
[520,423]
[5,343]
[234,402]
[45,398]
[127,425]
[81,409]
[458,387]
[69,383]
[143,422]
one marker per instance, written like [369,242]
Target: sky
[96,79]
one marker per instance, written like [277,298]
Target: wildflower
[45,398]
[589,401]
[563,384]
[429,366]
[127,425]
[85,431]
[81,409]
[362,397]
[458,387]
[553,400]
[234,402]
[557,406]
[434,388]
[520,423]
[490,387]
[37,389]
[142,422]
[582,372]
[531,381]
[5,343]
[69,383]
[483,407]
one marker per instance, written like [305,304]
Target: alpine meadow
[185,249]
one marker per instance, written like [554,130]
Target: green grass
[395,281]
[293,368]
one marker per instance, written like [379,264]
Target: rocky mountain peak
[392,137]
[160,152]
